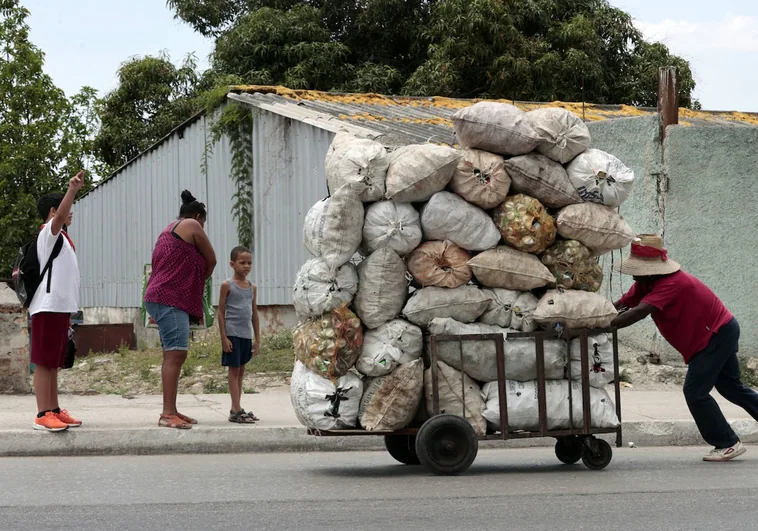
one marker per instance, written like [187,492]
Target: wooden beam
[668,97]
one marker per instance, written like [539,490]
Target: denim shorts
[173,325]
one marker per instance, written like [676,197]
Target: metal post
[435,378]
[501,387]
[541,391]
[617,384]
[583,339]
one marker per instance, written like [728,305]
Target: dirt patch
[138,372]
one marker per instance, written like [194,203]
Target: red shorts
[50,338]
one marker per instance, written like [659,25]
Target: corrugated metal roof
[400,120]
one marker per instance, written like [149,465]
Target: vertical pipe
[617,385]
[435,378]
[541,391]
[585,381]
[501,387]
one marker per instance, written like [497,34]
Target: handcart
[447,444]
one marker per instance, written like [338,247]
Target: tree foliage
[153,96]
[43,136]
[539,50]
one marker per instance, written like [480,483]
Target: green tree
[153,96]
[38,144]
[521,49]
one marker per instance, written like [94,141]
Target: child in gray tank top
[239,326]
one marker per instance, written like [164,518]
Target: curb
[201,440]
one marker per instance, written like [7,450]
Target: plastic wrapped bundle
[525,224]
[324,404]
[331,344]
[573,266]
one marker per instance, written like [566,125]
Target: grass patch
[277,354]
[624,377]
[748,377]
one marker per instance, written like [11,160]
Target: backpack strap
[49,265]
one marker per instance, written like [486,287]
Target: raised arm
[64,209]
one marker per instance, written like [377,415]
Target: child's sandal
[251,415]
[240,417]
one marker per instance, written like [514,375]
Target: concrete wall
[14,344]
[711,218]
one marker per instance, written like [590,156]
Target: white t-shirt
[64,285]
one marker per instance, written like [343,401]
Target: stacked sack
[502,236]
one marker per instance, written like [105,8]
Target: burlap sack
[508,268]
[352,159]
[333,228]
[500,309]
[464,304]
[331,344]
[573,266]
[495,127]
[442,264]
[417,172]
[563,134]
[537,176]
[451,384]
[597,227]
[481,179]
[574,309]
[525,224]
[318,289]
[390,402]
[599,177]
[382,288]
[396,226]
[448,217]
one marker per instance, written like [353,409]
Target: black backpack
[26,271]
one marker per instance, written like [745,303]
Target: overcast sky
[86,40]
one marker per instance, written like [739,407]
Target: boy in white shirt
[51,309]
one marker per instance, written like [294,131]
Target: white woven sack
[382,288]
[333,228]
[563,134]
[419,171]
[599,360]
[599,177]
[390,402]
[396,226]
[320,404]
[507,268]
[523,313]
[449,217]
[480,357]
[388,346]
[352,159]
[500,309]
[495,127]
[523,406]
[318,289]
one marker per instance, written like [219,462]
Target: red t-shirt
[687,312]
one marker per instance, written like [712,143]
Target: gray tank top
[238,317]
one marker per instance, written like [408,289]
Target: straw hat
[648,258]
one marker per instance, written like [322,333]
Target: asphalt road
[656,489]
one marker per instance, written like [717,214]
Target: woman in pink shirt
[696,323]
[182,259]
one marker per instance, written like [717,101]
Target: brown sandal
[185,418]
[173,421]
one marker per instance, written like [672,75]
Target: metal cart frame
[447,444]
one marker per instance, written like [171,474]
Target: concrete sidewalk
[119,426]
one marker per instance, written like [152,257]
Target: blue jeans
[173,326]
[717,366]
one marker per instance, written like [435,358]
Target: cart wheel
[402,448]
[447,445]
[568,450]
[596,454]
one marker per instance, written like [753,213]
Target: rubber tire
[597,454]
[402,448]
[568,450]
[447,445]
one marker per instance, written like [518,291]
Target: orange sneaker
[49,422]
[67,419]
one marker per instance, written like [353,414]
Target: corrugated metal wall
[117,223]
[288,178]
